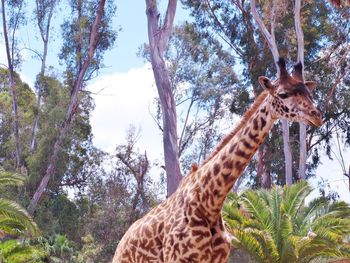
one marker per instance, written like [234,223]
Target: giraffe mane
[243,122]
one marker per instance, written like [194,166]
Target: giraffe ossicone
[187,226]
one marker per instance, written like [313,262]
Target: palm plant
[14,251]
[14,220]
[277,226]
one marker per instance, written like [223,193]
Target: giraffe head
[291,97]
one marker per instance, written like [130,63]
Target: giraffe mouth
[316,122]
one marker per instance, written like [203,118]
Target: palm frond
[246,241]
[12,212]
[339,209]
[318,250]
[276,226]
[267,244]
[339,226]
[308,214]
[276,215]
[289,253]
[294,197]
[257,207]
[9,178]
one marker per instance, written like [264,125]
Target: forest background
[110,166]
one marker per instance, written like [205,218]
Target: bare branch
[268,37]
[216,21]
[168,24]
[186,120]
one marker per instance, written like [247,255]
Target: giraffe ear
[265,83]
[311,85]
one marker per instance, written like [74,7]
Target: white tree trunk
[158,36]
[12,87]
[302,127]
[44,32]
[271,41]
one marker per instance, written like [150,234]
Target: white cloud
[26,79]
[331,172]
[124,99]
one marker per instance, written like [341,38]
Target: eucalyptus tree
[158,36]
[44,11]
[25,108]
[90,28]
[231,23]
[203,82]
[12,18]
[270,37]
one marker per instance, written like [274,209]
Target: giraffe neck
[216,177]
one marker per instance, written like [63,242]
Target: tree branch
[268,37]
[73,104]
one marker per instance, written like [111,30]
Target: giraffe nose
[316,117]
[316,113]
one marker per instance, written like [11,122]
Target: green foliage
[78,156]
[90,250]
[78,28]
[9,178]
[26,102]
[63,215]
[61,248]
[277,226]
[58,248]
[14,220]
[114,199]
[14,251]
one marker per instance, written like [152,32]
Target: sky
[126,88]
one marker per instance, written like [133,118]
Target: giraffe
[188,227]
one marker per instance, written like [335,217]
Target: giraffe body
[168,234]
[188,227]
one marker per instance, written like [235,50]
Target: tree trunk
[44,32]
[263,170]
[40,88]
[349,177]
[158,36]
[72,107]
[260,169]
[270,38]
[287,153]
[267,177]
[302,127]
[12,87]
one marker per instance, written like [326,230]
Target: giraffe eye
[283,95]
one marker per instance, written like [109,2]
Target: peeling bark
[158,35]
